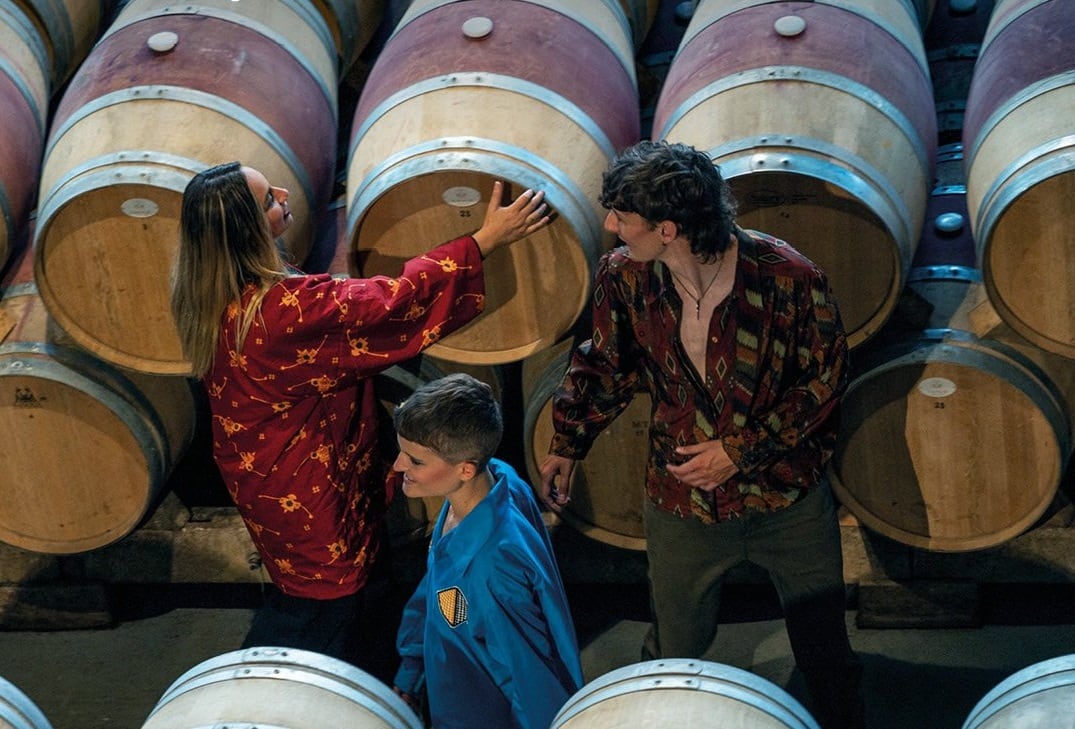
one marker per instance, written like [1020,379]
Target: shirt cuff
[568,447]
[410,678]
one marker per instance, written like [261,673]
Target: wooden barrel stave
[608,486]
[68,28]
[24,97]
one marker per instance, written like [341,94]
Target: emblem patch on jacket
[453,606]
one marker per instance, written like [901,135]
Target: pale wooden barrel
[1039,696]
[136,124]
[674,694]
[24,99]
[819,147]
[955,432]
[87,448]
[608,486]
[279,687]
[69,29]
[544,100]
[17,710]
[1021,168]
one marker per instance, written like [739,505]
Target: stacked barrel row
[821,114]
[243,688]
[827,118]
[41,44]
[957,430]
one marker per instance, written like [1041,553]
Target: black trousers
[358,628]
[800,548]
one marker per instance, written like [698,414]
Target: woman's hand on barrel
[555,488]
[505,224]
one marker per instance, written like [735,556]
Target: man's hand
[707,467]
[555,487]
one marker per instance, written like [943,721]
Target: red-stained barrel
[24,99]
[168,91]
[821,116]
[1020,158]
[540,94]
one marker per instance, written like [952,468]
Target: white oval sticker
[139,207]
[461,197]
[936,387]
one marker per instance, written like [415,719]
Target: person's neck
[468,496]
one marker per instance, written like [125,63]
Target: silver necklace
[698,299]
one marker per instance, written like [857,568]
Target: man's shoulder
[777,257]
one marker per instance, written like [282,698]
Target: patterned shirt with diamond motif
[296,418]
[777,366]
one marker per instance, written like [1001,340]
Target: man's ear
[669,230]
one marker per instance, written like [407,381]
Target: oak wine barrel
[168,91]
[677,693]
[88,448]
[955,431]
[1039,696]
[1020,160]
[279,687]
[608,486]
[24,101]
[68,28]
[18,711]
[539,94]
[820,149]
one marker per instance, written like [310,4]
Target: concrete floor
[915,678]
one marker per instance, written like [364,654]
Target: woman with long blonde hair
[287,360]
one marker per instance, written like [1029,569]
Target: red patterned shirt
[776,368]
[296,418]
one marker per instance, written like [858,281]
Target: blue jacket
[488,631]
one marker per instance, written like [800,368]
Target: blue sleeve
[532,644]
[410,678]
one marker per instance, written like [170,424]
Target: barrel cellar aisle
[912,147]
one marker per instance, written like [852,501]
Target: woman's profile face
[273,201]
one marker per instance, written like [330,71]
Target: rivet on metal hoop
[789,25]
[162,42]
[477,27]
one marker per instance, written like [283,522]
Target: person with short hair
[488,634]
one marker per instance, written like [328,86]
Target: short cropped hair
[456,416]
